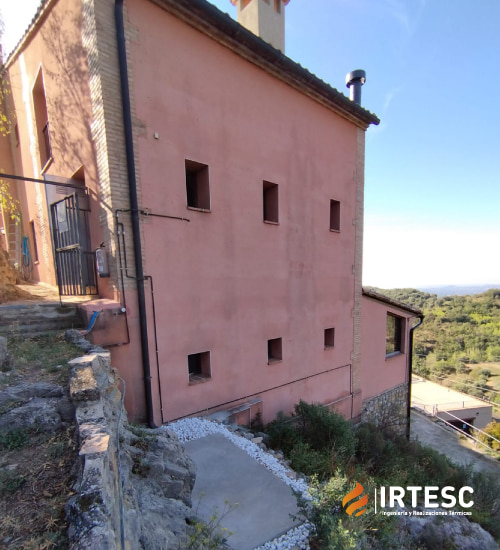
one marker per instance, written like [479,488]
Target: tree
[9,205]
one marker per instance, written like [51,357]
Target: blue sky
[432,194]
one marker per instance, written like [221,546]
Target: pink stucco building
[224,183]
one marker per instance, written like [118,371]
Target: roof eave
[390,301]
[211,21]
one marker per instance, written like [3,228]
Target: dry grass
[35,483]
[36,468]
[40,358]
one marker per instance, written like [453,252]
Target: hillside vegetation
[459,341]
[337,457]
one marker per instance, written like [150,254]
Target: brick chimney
[265,18]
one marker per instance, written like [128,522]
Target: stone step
[33,319]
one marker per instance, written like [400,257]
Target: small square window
[329,338]
[334,215]
[197,185]
[274,350]
[271,202]
[394,334]
[199,367]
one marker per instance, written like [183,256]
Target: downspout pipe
[410,375]
[134,207]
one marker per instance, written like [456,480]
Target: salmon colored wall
[128,360]
[56,49]
[226,282]
[378,372]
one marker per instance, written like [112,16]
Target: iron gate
[75,262]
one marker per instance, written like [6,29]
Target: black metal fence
[75,263]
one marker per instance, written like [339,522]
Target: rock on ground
[449,532]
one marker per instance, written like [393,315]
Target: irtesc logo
[433,497]
[358,490]
[391,500]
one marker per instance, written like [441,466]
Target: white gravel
[189,429]
[296,538]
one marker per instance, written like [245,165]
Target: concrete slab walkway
[226,474]
[446,441]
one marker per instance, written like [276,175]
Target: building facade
[386,360]
[223,183]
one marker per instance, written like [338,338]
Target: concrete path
[226,474]
[448,442]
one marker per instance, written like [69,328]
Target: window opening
[394,333]
[271,202]
[274,350]
[329,338]
[334,215]
[199,367]
[197,185]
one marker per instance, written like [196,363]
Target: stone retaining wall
[134,484]
[388,409]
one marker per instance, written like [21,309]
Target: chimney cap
[351,77]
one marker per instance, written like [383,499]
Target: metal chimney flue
[354,80]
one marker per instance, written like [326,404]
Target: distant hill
[458,290]
[459,340]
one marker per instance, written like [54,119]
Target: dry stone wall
[388,409]
[134,484]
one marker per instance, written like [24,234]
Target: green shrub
[283,433]
[316,439]
[493,429]
[311,462]
[462,368]
[325,430]
[394,460]
[486,509]
[371,447]
[324,513]
[14,439]
[210,534]
[322,444]
[333,529]
[10,482]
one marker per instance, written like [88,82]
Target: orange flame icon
[358,504]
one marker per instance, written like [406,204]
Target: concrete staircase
[37,318]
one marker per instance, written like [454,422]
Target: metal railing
[433,410]
[470,436]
